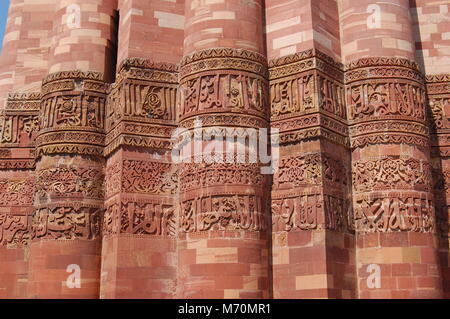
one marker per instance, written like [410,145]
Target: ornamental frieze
[223,92]
[62,136]
[438,84]
[194,176]
[222,212]
[17,192]
[140,129]
[67,222]
[13,129]
[309,169]
[143,177]
[15,229]
[391,173]
[401,126]
[69,181]
[223,58]
[301,135]
[137,141]
[73,75]
[383,99]
[22,164]
[389,138]
[304,61]
[395,213]
[439,119]
[141,101]
[69,149]
[299,212]
[239,120]
[146,70]
[72,111]
[24,101]
[310,212]
[140,218]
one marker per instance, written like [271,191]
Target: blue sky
[4,5]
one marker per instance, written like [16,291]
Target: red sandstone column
[223,231]
[433,53]
[139,253]
[19,124]
[84,37]
[393,201]
[24,57]
[65,252]
[22,65]
[151,30]
[312,239]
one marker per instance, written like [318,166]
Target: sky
[4,5]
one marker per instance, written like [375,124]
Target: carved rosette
[386,101]
[72,114]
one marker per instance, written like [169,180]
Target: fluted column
[223,217]
[19,124]
[312,239]
[393,202]
[66,226]
[139,254]
[65,251]
[23,63]
[430,18]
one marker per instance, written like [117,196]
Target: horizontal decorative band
[69,149]
[438,78]
[77,137]
[23,101]
[146,64]
[223,53]
[74,75]
[137,141]
[382,61]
